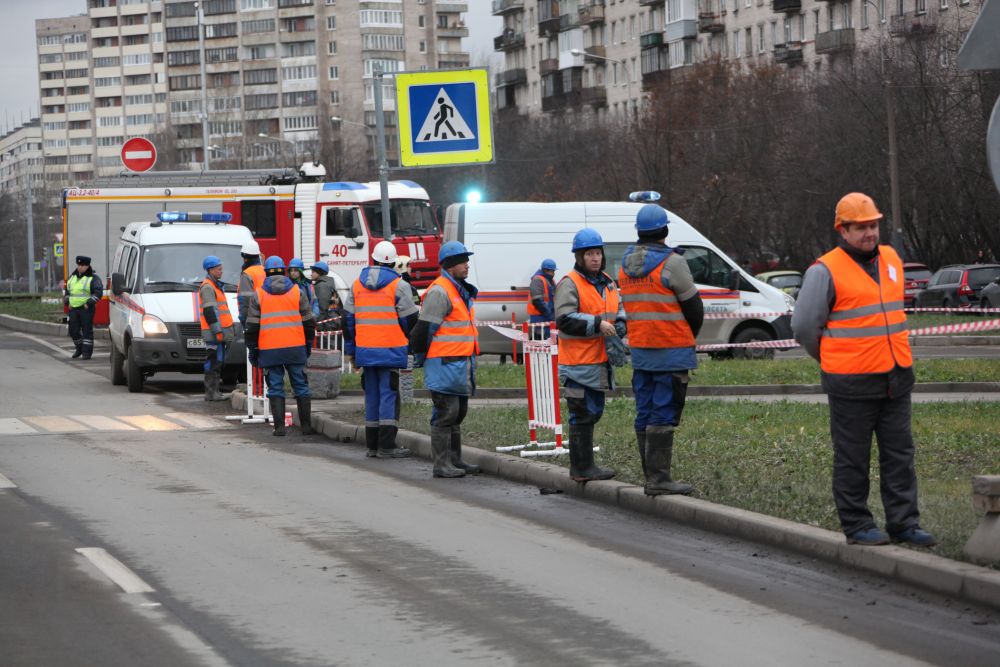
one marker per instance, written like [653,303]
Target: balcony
[650,39]
[710,22]
[681,29]
[592,14]
[912,24]
[789,53]
[555,102]
[508,41]
[791,6]
[548,17]
[453,31]
[512,77]
[569,22]
[501,7]
[655,79]
[451,7]
[548,66]
[650,3]
[595,96]
[833,41]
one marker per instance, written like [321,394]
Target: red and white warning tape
[960,311]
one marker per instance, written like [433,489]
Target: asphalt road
[262,551]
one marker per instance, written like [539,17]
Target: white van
[510,239]
[153,310]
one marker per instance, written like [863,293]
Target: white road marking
[45,343]
[151,423]
[6,483]
[115,570]
[12,426]
[102,423]
[56,424]
[197,421]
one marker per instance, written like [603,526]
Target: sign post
[138,154]
[444,118]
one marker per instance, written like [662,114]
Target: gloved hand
[418,360]
[93,299]
[253,356]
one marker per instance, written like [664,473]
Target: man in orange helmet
[849,317]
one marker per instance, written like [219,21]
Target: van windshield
[177,267]
[407,217]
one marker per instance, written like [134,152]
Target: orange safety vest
[532,310]
[866,331]
[584,350]
[653,313]
[257,275]
[280,320]
[457,335]
[375,318]
[225,318]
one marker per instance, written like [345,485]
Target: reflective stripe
[280,313]
[454,339]
[374,309]
[865,310]
[865,332]
[221,306]
[376,318]
[280,325]
[462,340]
[455,324]
[78,290]
[586,350]
[653,298]
[653,313]
[653,317]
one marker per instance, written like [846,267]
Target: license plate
[195,342]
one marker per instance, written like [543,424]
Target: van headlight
[153,325]
[789,301]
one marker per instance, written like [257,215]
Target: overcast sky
[19,64]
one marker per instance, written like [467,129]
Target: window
[707,268]
[185,106]
[334,73]
[109,121]
[300,123]
[186,82]
[340,220]
[138,99]
[423,46]
[760,38]
[921,6]
[175,58]
[421,21]
[255,77]
[736,44]
[220,30]
[331,22]
[302,98]
[334,97]
[864,14]
[383,17]
[110,141]
[139,119]
[106,62]
[247,5]
[299,24]
[259,217]
[137,59]
[331,48]
[224,55]
[387,66]
[78,106]
[261,25]
[225,128]
[224,79]
[298,49]
[299,73]
[225,103]
[748,42]
[383,42]
[104,82]
[219,7]
[138,80]
[265,101]
[259,51]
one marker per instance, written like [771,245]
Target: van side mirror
[117,283]
[734,280]
[354,233]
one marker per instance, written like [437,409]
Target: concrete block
[418,443]
[983,503]
[681,509]
[929,571]
[628,497]
[324,359]
[986,485]
[406,385]
[982,586]
[542,474]
[984,543]
[514,469]
[488,461]
[814,541]
[324,383]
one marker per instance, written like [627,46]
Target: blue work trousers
[585,405]
[659,397]
[276,381]
[215,357]
[381,387]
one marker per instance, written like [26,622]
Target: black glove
[253,356]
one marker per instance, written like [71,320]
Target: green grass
[33,309]
[776,458]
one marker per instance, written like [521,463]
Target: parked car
[990,296]
[789,282]
[916,277]
[957,286]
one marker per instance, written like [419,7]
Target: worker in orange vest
[588,314]
[664,314]
[279,334]
[251,278]
[216,326]
[445,342]
[541,297]
[380,314]
[849,317]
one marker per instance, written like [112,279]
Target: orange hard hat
[855,207]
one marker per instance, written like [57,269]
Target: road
[264,551]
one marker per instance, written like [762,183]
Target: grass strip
[33,309]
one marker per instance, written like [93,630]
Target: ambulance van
[510,239]
[153,308]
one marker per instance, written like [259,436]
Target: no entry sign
[138,154]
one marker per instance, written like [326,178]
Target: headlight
[789,300]
[153,325]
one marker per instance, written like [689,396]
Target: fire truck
[290,214]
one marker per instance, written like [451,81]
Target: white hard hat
[250,248]
[403,263]
[384,253]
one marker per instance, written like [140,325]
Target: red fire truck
[290,215]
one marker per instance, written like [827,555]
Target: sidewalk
[918,568]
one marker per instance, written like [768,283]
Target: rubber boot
[371,441]
[659,451]
[87,349]
[79,348]
[278,415]
[304,403]
[387,448]
[441,452]
[212,393]
[640,438]
[581,455]
[456,453]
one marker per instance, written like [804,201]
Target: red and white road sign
[138,154]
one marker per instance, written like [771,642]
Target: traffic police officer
[588,310]
[380,314]
[541,298]
[446,335]
[664,315]
[83,291]
[217,328]
[279,334]
[251,278]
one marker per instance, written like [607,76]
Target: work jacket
[383,313]
[541,288]
[251,279]
[450,366]
[218,319]
[581,350]
[280,323]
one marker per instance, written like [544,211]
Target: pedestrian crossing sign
[444,118]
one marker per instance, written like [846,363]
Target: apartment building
[21,154]
[598,55]
[276,72]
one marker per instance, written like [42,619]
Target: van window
[177,267]
[130,267]
[120,253]
[339,220]
[259,218]
[707,268]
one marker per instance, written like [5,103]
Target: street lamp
[204,93]
[628,77]
[283,141]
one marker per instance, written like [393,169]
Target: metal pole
[383,166]
[890,120]
[204,94]
[31,235]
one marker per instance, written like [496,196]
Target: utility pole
[383,166]
[204,95]
[31,234]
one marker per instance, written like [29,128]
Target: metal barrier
[258,407]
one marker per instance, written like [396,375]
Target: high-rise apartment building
[21,154]
[275,73]
[599,54]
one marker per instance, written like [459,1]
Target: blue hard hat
[587,238]
[651,218]
[549,264]
[210,262]
[296,263]
[321,266]
[452,249]
[274,263]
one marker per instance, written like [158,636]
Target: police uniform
[83,291]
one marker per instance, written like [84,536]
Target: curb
[923,570]
[45,328]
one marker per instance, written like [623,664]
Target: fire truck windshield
[408,217]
